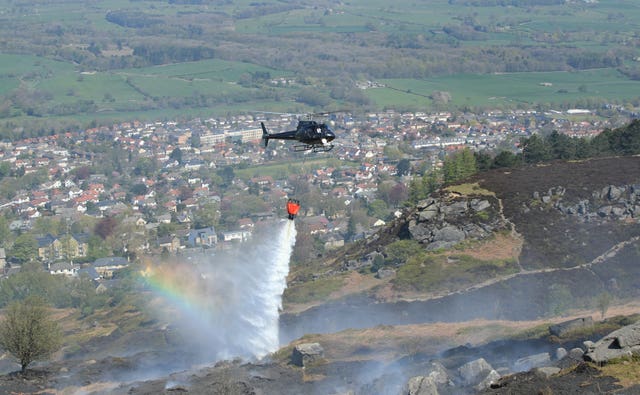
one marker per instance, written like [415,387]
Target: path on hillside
[610,253]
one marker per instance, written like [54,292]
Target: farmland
[75,63]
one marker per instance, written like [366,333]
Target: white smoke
[227,305]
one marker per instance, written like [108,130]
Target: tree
[603,301]
[176,155]
[28,333]
[403,168]
[398,194]
[459,165]
[25,248]
[227,174]
[504,159]
[207,215]
[5,232]
[105,227]
[535,149]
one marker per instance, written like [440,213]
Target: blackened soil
[583,379]
[553,239]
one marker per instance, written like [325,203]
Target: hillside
[567,228]
[499,289]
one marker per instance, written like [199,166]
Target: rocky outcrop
[444,221]
[623,342]
[609,203]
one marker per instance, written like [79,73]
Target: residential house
[316,224]
[170,243]
[205,237]
[245,223]
[48,248]
[89,272]
[235,235]
[105,267]
[79,245]
[333,242]
[63,268]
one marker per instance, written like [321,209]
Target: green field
[509,88]
[322,47]
[302,166]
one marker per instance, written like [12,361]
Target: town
[99,198]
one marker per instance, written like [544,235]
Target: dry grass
[501,246]
[626,370]
[389,342]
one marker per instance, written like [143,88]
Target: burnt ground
[582,379]
[553,239]
[120,376]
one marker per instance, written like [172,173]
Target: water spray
[227,305]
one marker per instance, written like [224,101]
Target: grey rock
[449,233]
[385,273]
[622,342]
[421,385]
[614,192]
[428,214]
[604,211]
[563,328]
[471,372]
[438,373]
[454,209]
[305,353]
[576,354]
[546,372]
[560,353]
[479,205]
[491,378]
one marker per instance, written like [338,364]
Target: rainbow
[230,301]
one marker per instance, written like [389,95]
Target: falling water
[227,305]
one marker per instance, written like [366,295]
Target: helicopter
[314,136]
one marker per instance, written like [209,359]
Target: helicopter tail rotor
[265,134]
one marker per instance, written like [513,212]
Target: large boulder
[475,371]
[305,353]
[492,377]
[421,385]
[563,328]
[622,342]
[438,373]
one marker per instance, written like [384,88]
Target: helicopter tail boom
[265,134]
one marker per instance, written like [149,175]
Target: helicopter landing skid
[313,148]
